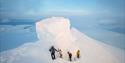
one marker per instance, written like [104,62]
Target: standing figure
[78,54]
[52,51]
[70,55]
[60,53]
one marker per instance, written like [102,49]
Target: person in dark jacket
[70,55]
[52,51]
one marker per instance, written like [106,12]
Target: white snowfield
[57,31]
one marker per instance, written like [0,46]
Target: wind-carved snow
[57,31]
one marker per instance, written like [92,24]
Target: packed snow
[58,32]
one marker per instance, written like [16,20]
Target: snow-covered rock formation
[57,31]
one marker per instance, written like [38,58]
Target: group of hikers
[53,50]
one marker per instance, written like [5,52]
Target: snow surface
[57,31]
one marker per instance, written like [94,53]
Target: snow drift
[57,31]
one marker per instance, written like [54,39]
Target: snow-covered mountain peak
[53,25]
[55,31]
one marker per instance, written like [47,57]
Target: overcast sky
[35,8]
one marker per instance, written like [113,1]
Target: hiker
[60,53]
[70,55]
[52,51]
[78,54]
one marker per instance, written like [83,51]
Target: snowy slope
[94,51]
[57,31]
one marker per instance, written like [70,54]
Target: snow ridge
[58,32]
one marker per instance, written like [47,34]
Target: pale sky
[35,8]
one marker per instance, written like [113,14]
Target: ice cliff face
[56,31]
